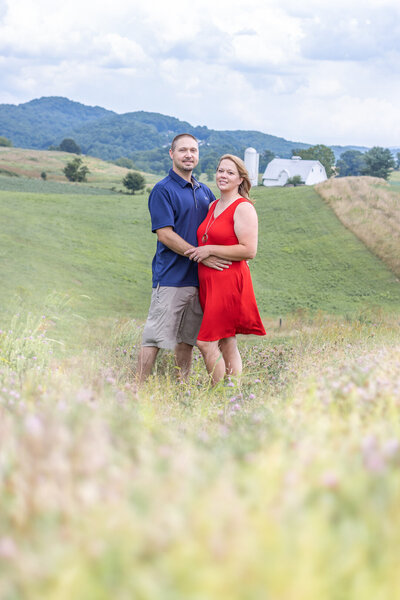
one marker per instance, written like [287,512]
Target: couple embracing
[202,290]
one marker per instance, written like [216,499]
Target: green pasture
[97,250]
[38,186]
[394,178]
[308,260]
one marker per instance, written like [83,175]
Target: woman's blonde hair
[245,186]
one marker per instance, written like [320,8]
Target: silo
[251,160]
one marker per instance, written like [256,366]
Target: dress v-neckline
[229,205]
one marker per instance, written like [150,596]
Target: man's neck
[187,175]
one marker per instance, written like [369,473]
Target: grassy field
[29,164]
[370,208]
[97,249]
[283,485]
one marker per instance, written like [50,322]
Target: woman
[227,297]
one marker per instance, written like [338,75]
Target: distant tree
[69,145]
[379,162]
[319,152]
[43,175]
[134,182]
[210,174]
[295,180]
[5,141]
[75,170]
[208,163]
[123,161]
[265,159]
[398,161]
[351,162]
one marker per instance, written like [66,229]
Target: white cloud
[306,71]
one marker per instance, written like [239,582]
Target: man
[177,204]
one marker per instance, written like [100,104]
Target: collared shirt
[177,203]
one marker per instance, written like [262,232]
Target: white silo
[251,160]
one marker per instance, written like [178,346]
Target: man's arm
[173,241]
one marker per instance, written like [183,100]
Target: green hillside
[139,135]
[307,259]
[97,249]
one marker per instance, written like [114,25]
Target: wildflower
[33,426]
[8,548]
[330,480]
[390,448]
[120,396]
[251,396]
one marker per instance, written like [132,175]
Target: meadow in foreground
[284,485]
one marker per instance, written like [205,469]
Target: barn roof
[294,166]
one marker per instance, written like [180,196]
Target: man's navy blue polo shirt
[176,203]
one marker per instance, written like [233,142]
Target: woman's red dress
[226,297]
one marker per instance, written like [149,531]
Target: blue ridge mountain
[140,135]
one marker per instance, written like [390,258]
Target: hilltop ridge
[139,135]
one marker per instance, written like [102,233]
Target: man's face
[185,155]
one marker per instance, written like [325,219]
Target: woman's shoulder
[244,204]
[244,207]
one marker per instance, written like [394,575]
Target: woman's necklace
[210,222]
[212,219]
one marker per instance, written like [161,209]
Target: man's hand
[219,264]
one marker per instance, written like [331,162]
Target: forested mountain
[141,136]
[41,123]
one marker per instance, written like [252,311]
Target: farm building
[251,161]
[279,170]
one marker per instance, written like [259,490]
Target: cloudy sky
[310,70]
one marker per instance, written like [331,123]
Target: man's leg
[183,359]
[146,360]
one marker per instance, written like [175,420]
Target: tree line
[376,162]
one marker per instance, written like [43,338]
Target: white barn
[279,170]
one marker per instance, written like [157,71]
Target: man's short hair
[181,135]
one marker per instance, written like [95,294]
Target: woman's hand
[198,254]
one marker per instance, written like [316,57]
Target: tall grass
[282,485]
[370,208]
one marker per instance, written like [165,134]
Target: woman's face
[227,176]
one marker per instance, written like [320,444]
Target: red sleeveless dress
[226,297]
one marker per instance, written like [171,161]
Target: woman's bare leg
[214,362]
[231,356]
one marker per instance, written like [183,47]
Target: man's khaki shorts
[174,316]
